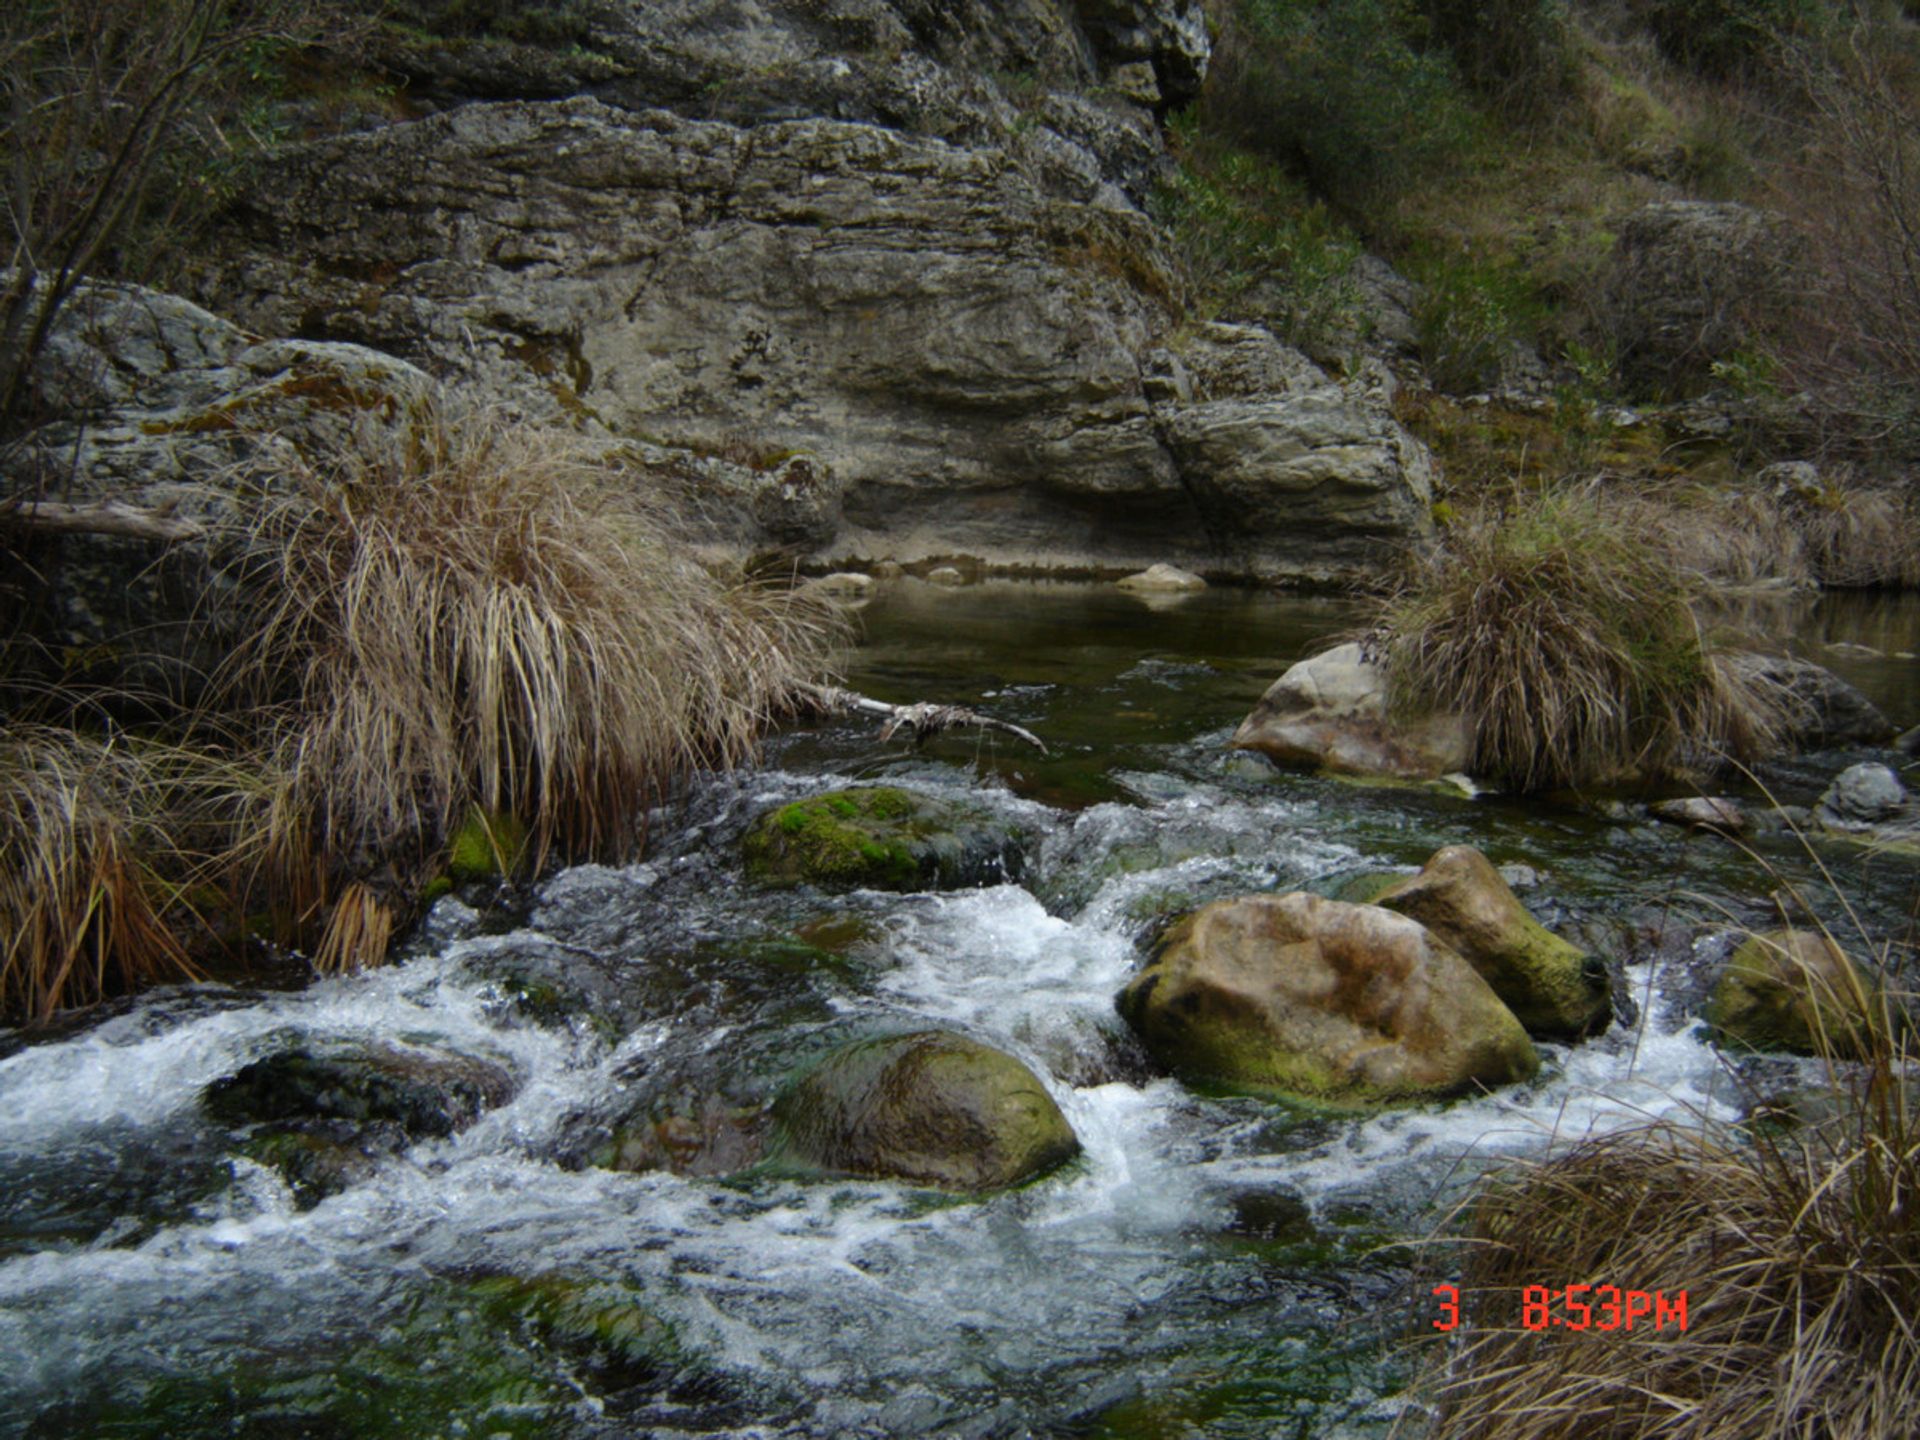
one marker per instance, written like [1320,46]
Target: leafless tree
[98,99]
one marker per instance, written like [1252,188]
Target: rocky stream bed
[536,1183]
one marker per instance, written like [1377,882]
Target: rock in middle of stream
[1322,1000]
[929,1107]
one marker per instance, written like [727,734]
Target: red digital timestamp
[1580,1307]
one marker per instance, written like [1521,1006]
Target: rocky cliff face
[905,243]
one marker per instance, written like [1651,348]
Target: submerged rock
[1322,1000]
[1793,990]
[1554,989]
[705,1138]
[1702,811]
[882,838]
[425,1091]
[931,1107]
[1330,711]
[324,1116]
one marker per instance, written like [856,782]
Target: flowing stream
[1211,1265]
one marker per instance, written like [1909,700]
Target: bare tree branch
[923,721]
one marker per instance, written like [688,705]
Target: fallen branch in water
[103,517]
[923,721]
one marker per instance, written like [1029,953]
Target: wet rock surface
[324,1115]
[1792,990]
[1861,797]
[1554,989]
[1821,709]
[933,1108]
[882,838]
[1324,1000]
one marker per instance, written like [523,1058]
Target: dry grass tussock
[1798,1249]
[96,846]
[474,615]
[1835,533]
[1565,634]
[1860,537]
[463,617]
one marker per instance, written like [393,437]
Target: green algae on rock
[1318,1000]
[881,838]
[931,1108]
[1554,989]
[1793,990]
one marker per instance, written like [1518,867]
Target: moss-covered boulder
[880,837]
[1793,990]
[323,1115]
[1557,991]
[1320,1000]
[930,1107]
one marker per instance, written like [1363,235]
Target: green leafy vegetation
[1720,37]
[1470,316]
[1336,91]
[1254,240]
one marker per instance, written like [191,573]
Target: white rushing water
[835,1307]
[1209,1265]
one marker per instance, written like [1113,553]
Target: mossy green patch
[1793,991]
[879,838]
[314,1166]
[489,845]
[502,1356]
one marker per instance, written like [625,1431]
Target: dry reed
[470,614]
[1566,637]
[87,828]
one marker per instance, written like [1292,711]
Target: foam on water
[850,1303]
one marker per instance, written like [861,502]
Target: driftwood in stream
[922,721]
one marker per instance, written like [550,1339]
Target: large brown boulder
[1330,711]
[1322,1000]
[1555,990]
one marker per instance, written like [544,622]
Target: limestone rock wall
[909,245]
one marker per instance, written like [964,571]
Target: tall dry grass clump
[1797,1250]
[1566,638]
[94,848]
[470,615]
